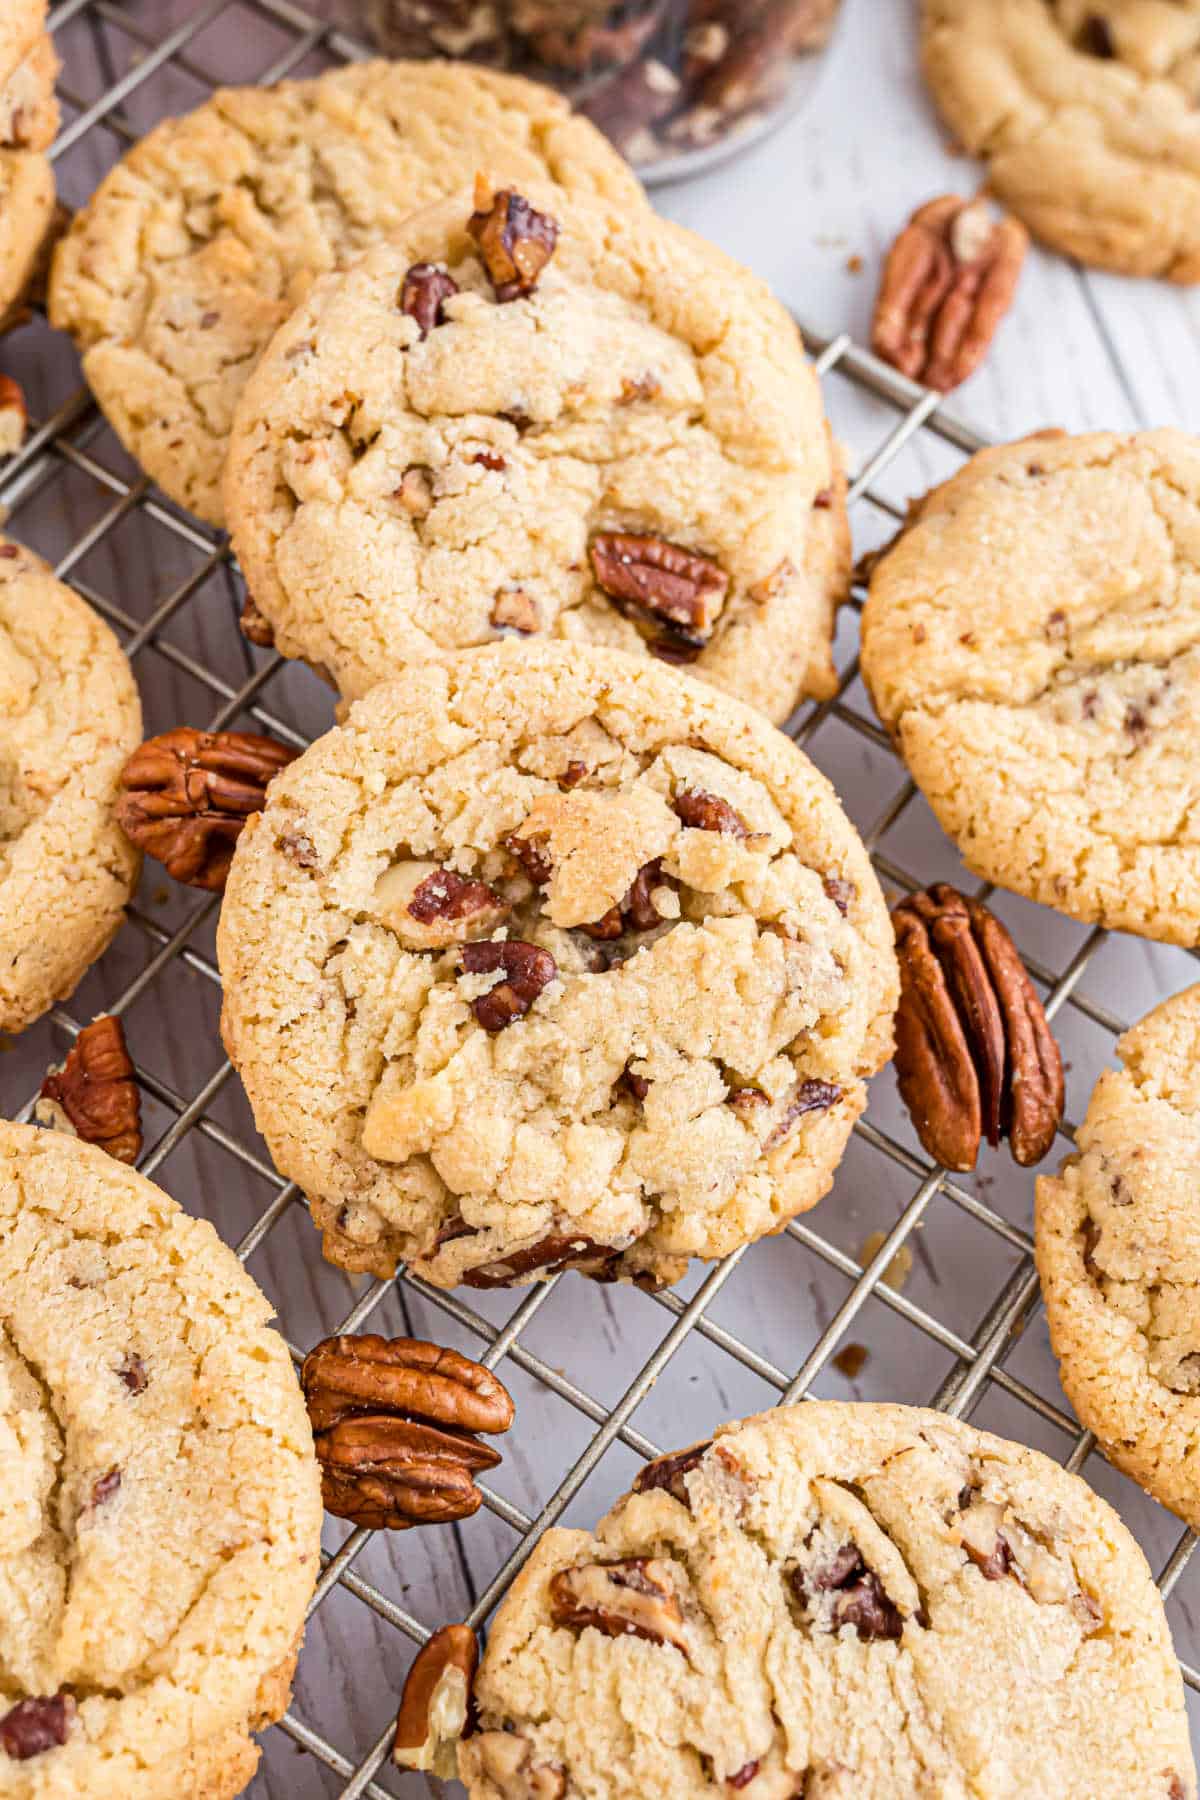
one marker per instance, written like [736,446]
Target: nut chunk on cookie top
[1032,643]
[583,967]
[159,1499]
[531,415]
[836,1603]
[1119,1256]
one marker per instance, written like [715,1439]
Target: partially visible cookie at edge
[1032,643]
[1118,1252]
[210,231]
[552,957]
[28,122]
[1085,114]
[634,453]
[159,1495]
[838,1602]
[69,717]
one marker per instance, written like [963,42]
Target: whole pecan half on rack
[948,281]
[435,1707]
[975,1056]
[94,1093]
[394,1422]
[187,794]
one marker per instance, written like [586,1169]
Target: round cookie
[210,231]
[1032,643]
[553,957]
[396,486]
[841,1602]
[1118,1252]
[1085,112]
[69,717]
[159,1499]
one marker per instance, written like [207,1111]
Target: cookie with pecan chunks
[158,1488]
[537,416]
[834,1602]
[582,967]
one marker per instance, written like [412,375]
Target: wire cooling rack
[602,1378]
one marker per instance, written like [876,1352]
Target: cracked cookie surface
[1085,113]
[399,485]
[159,1499]
[553,957]
[1032,643]
[1118,1252]
[69,716]
[842,1603]
[203,239]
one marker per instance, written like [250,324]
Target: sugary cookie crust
[22,23]
[483,1144]
[1032,642]
[862,1603]
[69,717]
[1118,1252]
[159,1500]
[649,385]
[1085,111]
[210,231]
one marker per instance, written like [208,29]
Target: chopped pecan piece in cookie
[527,971]
[256,627]
[668,1472]
[105,1486]
[506,1759]
[661,585]
[515,241]
[132,1372]
[807,1097]
[859,1598]
[708,812]
[560,1250]
[637,911]
[37,1724]
[14,416]
[843,893]
[429,906]
[94,1093]
[187,794]
[948,281]
[424,294]
[974,1053]
[515,610]
[631,1598]
[435,1707]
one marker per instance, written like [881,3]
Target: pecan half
[859,1596]
[515,241]
[424,294]
[527,971]
[668,1472]
[631,1598]
[394,1422]
[660,584]
[95,1091]
[708,812]
[37,1724]
[188,793]
[342,1376]
[948,281]
[435,1707]
[974,1054]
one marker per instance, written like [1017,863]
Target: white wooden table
[1080,350]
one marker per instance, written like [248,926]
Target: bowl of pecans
[676,84]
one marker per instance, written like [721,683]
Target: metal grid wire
[62,442]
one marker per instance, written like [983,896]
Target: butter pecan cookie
[1119,1257]
[548,958]
[28,122]
[69,716]
[627,447]
[841,1603]
[159,1500]
[1032,642]
[211,230]
[1086,114]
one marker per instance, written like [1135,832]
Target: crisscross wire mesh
[71,475]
